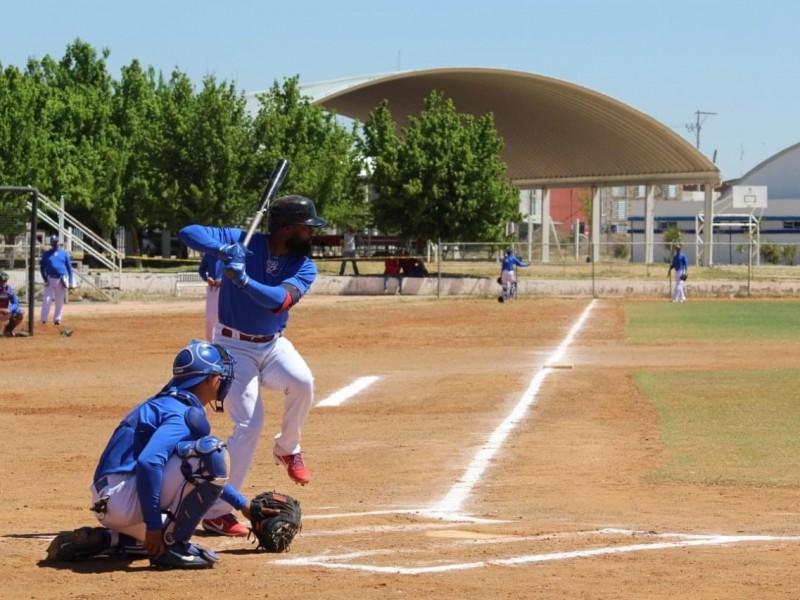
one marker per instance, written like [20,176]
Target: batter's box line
[341,561]
[420,512]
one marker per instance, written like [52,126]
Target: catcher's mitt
[500,280]
[684,277]
[276,519]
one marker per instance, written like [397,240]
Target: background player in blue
[263,281]
[210,271]
[161,470]
[10,312]
[680,264]
[507,275]
[56,269]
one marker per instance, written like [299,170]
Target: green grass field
[665,322]
[723,427]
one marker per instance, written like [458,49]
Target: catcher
[161,470]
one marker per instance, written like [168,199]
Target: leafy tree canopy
[441,177]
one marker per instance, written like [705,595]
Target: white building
[777,224]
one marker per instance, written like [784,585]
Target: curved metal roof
[557,134]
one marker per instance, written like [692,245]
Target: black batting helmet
[293,210]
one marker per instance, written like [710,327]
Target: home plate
[460,533]
[559,366]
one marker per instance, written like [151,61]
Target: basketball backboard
[749,196]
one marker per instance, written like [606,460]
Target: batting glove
[235,270]
[230,252]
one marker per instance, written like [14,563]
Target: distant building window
[619,192]
[669,224]
[793,225]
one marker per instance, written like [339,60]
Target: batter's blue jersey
[510,261]
[253,310]
[55,263]
[145,440]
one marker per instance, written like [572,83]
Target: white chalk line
[447,509]
[336,562]
[343,395]
[453,501]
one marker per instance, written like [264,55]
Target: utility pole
[698,125]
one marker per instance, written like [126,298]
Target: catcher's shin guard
[205,466]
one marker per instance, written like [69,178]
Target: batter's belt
[245,337]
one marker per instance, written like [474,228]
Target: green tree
[136,116]
[324,160]
[441,177]
[202,144]
[672,236]
[79,144]
[21,136]
[788,253]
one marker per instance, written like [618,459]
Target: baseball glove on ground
[276,519]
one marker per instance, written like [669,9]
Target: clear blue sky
[668,59]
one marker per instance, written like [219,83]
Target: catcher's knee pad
[205,466]
[205,460]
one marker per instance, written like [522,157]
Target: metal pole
[439,268]
[32,258]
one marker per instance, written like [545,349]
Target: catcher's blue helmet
[198,360]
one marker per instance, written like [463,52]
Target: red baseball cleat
[295,467]
[226,525]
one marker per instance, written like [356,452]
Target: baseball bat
[275,181]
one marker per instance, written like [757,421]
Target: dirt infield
[494,455]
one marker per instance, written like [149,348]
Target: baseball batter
[161,470]
[507,274]
[56,269]
[10,312]
[210,271]
[263,282]
[680,264]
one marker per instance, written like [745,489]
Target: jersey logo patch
[272,266]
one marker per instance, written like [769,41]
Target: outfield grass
[666,322]
[722,427]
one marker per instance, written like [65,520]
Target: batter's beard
[298,246]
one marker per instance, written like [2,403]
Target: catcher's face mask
[225,378]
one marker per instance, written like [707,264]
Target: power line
[698,124]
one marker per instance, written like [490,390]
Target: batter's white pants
[212,311]
[54,290]
[275,365]
[123,510]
